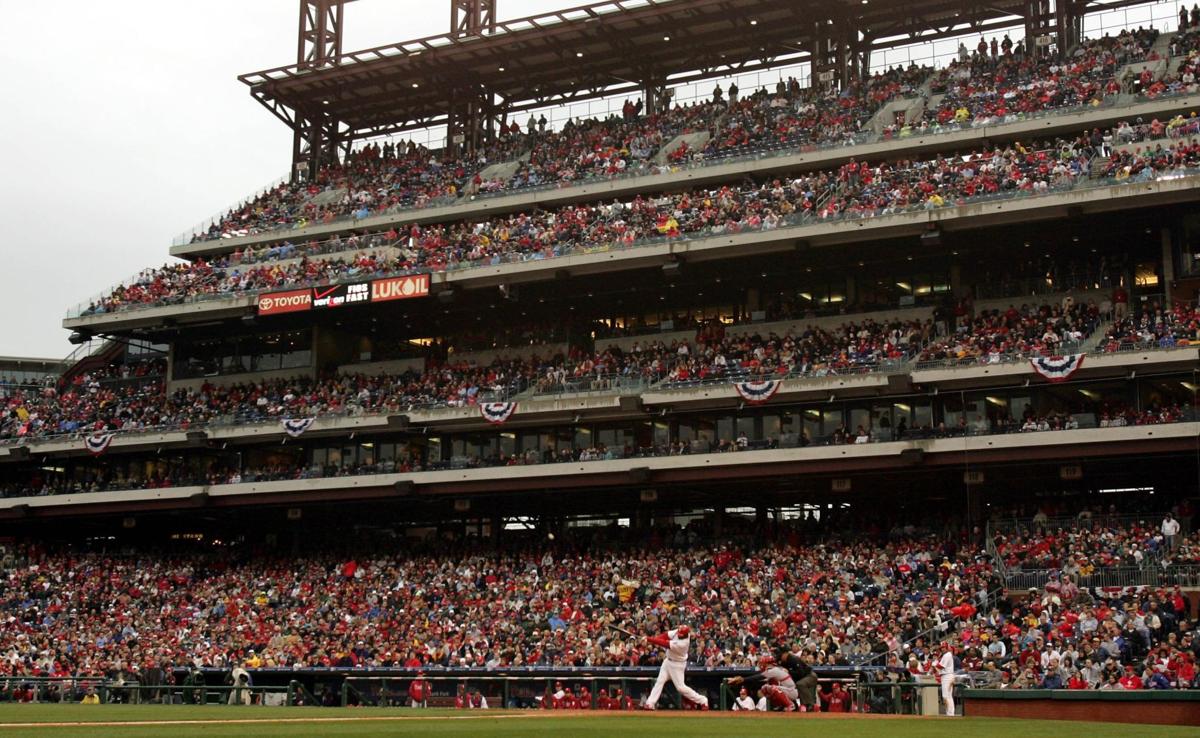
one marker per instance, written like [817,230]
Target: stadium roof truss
[484,71]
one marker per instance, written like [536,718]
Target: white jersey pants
[948,693]
[674,671]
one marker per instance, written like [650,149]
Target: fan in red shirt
[1131,680]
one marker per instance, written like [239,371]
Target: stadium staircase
[1159,67]
[502,171]
[1162,46]
[695,142]
[90,356]
[913,107]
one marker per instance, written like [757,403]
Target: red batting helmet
[682,632]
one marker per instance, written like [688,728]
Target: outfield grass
[40,720]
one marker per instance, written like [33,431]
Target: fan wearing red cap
[677,643]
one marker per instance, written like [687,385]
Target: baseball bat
[622,631]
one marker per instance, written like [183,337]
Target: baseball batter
[676,642]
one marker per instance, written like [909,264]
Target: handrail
[1154,574]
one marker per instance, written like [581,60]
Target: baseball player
[743,702]
[946,666]
[676,642]
[773,682]
[418,691]
[476,700]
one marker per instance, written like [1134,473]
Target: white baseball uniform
[946,664]
[674,667]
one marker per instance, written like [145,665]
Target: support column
[472,17]
[471,120]
[1039,21]
[656,96]
[1168,264]
[835,53]
[315,134]
[1069,19]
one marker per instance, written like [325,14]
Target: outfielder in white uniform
[946,668]
[677,642]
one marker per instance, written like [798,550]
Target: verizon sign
[400,288]
[277,303]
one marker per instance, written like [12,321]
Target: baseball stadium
[659,367]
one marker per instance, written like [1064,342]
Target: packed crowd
[994,335]
[875,598]
[1082,546]
[796,117]
[371,180]
[1154,326]
[89,406]
[718,356]
[856,190]
[1180,76]
[589,149]
[983,87]
[89,403]
[840,600]
[1138,638]
[1064,635]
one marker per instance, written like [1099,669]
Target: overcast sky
[124,124]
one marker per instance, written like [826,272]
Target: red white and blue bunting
[497,412]
[1057,368]
[97,443]
[296,426]
[756,392]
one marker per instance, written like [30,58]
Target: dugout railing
[199,694]
[870,689]
[66,690]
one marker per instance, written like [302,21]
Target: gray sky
[124,125]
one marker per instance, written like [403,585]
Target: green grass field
[121,721]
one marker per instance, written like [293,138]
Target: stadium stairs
[91,356]
[695,142]
[912,107]
[502,171]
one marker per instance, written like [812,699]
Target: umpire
[802,674]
